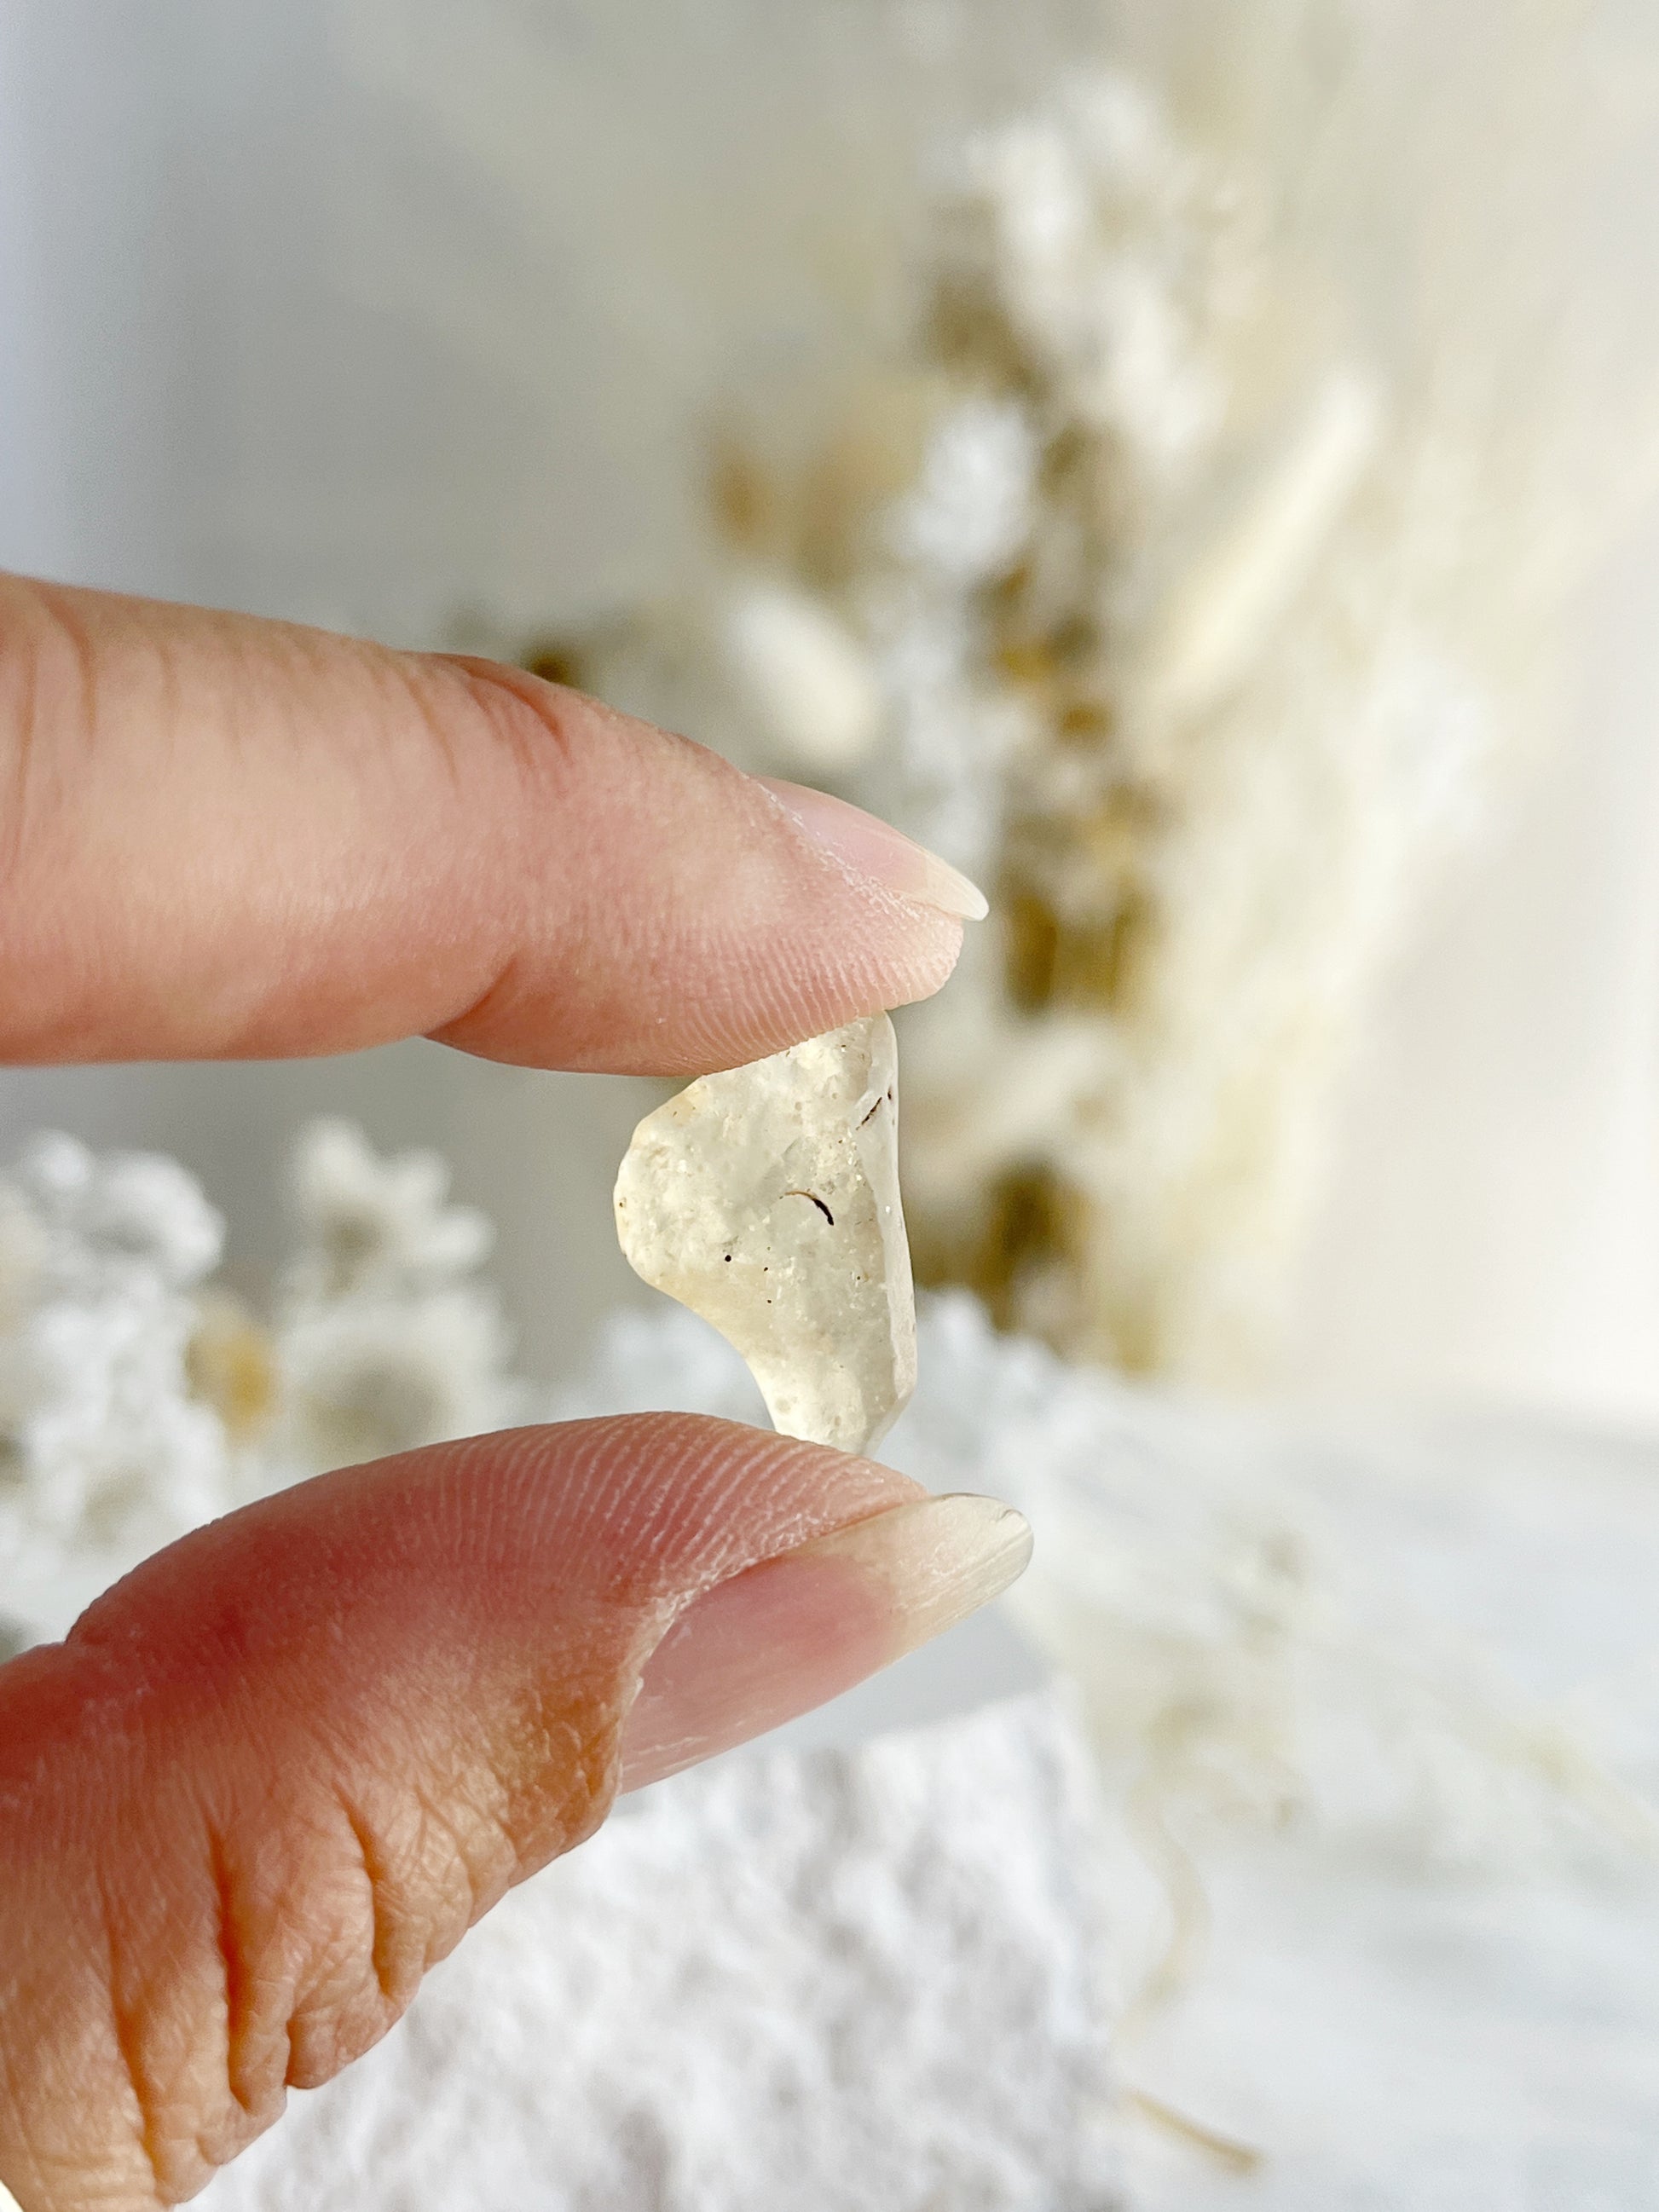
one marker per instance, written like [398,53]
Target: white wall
[1493,1229]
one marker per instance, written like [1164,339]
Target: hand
[279,1771]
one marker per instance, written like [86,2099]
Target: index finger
[222,838]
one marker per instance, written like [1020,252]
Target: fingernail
[798,1630]
[874,850]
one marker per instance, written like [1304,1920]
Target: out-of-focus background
[411,320]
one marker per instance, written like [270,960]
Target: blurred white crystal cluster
[384,1337]
[1184,577]
[100,1265]
[138,1399]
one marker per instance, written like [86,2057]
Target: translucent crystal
[767,1199]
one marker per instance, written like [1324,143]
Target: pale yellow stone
[767,1199]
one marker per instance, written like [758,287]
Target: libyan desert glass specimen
[767,1199]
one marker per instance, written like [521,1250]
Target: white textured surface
[767,1199]
[845,1981]
[1390,2043]
[1380,1706]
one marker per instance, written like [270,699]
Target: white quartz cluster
[102,1439]
[386,1336]
[767,1199]
[138,1399]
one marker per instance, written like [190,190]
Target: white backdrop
[275,332]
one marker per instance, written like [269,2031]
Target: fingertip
[868,847]
[718,917]
[387,845]
[793,1632]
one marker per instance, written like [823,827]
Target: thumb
[277,1774]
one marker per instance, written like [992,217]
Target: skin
[226,839]
[279,1771]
